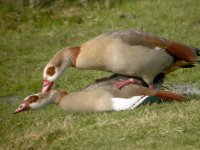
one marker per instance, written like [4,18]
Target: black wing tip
[197,50]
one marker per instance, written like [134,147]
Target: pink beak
[46,86]
[22,107]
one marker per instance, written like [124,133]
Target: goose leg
[158,81]
[123,83]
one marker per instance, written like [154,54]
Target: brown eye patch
[32,99]
[51,71]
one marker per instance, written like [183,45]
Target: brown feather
[178,64]
[134,37]
[169,95]
[131,90]
[32,99]
[176,49]
[182,51]
[75,52]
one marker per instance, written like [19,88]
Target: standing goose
[126,52]
[97,97]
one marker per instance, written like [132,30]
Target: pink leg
[123,83]
[151,86]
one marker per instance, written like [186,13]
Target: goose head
[39,100]
[55,68]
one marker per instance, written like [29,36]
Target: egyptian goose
[97,97]
[127,52]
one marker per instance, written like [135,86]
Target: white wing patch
[130,103]
[159,49]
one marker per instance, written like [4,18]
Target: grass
[30,37]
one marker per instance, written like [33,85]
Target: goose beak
[22,107]
[46,86]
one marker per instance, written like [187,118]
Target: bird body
[97,97]
[121,58]
[126,52]
[98,100]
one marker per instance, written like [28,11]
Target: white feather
[131,103]
[159,49]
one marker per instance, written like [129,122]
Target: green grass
[30,37]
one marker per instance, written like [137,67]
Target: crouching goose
[97,97]
[127,52]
